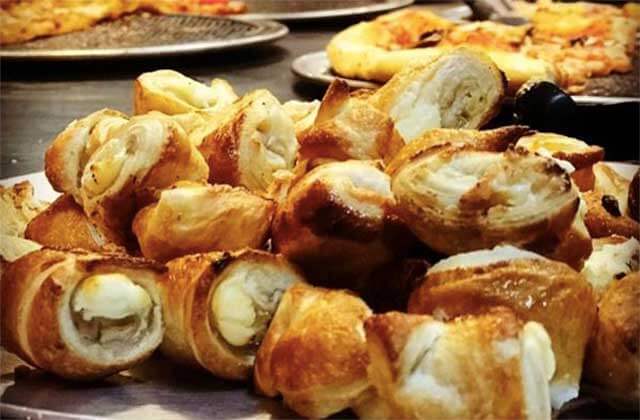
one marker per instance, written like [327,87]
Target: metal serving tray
[148,35]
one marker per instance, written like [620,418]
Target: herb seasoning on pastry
[171,93]
[457,198]
[314,353]
[190,218]
[217,307]
[338,223]
[81,315]
[533,287]
[461,89]
[254,140]
[348,127]
[486,366]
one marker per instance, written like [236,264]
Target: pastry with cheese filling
[613,361]
[460,89]
[486,366]
[64,225]
[613,257]
[255,139]
[349,127]
[190,218]
[338,223]
[578,153]
[81,315]
[18,207]
[147,154]
[197,124]
[171,92]
[457,198]
[533,287]
[314,353]
[605,216]
[67,155]
[217,307]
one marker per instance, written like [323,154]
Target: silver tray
[147,35]
[295,10]
[315,67]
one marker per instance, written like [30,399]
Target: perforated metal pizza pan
[302,10]
[146,35]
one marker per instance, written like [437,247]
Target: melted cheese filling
[244,302]
[110,307]
[484,257]
[537,366]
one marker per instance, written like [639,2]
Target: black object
[545,107]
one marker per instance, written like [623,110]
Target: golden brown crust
[338,223]
[613,361]
[191,336]
[190,218]
[466,376]
[485,209]
[18,207]
[604,217]
[64,225]
[580,154]
[314,352]
[538,290]
[633,201]
[35,289]
[348,127]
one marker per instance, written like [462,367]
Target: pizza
[23,20]
[564,42]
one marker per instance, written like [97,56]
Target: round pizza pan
[146,35]
[301,10]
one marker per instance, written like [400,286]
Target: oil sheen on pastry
[533,287]
[485,366]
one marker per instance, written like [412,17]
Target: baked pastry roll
[338,223]
[64,225]
[457,199]
[314,353]
[349,128]
[255,139]
[67,155]
[173,93]
[303,114]
[578,153]
[217,307]
[605,217]
[613,257]
[18,207]
[460,89]
[190,218]
[608,181]
[633,201]
[14,247]
[486,366]
[197,124]
[147,154]
[613,362]
[535,288]
[81,315]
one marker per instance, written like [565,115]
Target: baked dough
[143,156]
[378,49]
[613,361]
[605,217]
[578,153]
[254,140]
[171,92]
[18,207]
[314,353]
[217,307]
[190,218]
[535,288]
[303,114]
[348,127]
[457,198]
[485,366]
[81,315]
[64,225]
[458,89]
[338,223]
[613,257]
